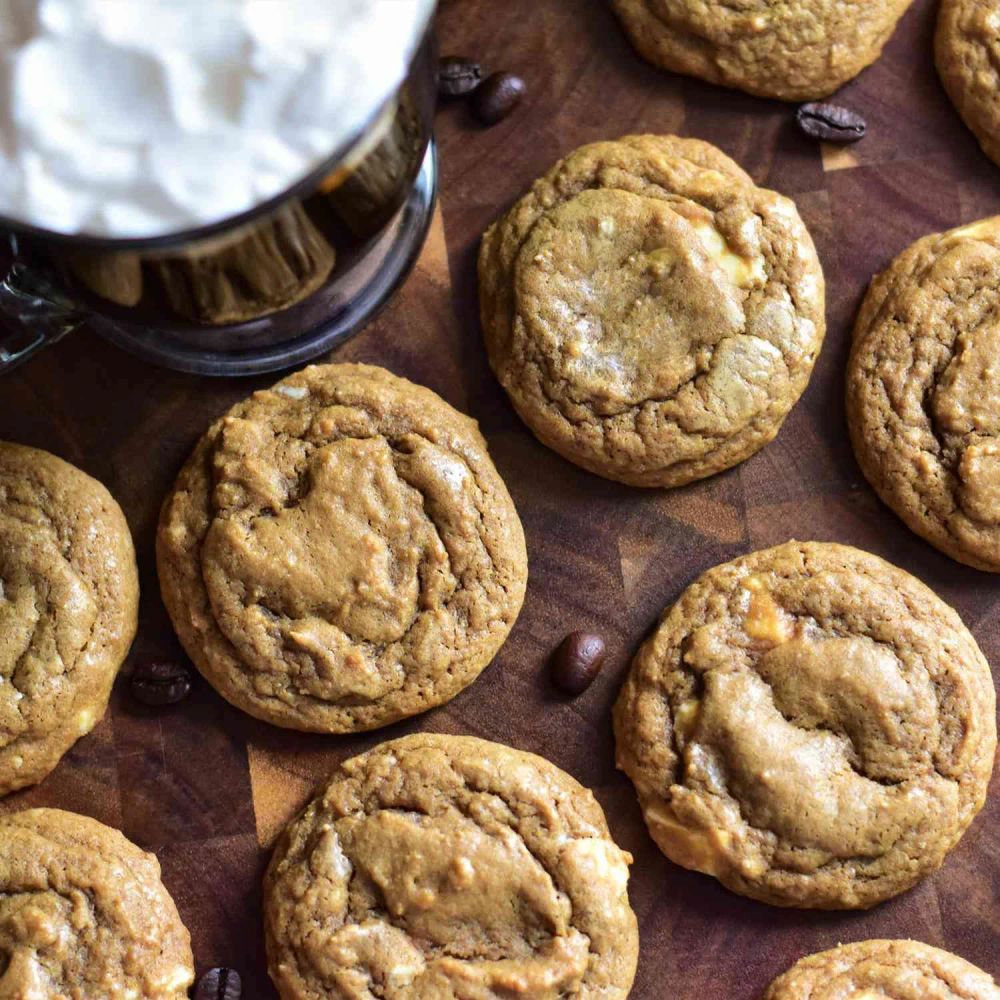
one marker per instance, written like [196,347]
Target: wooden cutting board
[205,787]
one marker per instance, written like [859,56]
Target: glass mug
[269,289]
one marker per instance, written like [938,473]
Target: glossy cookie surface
[339,552]
[923,390]
[652,314]
[967,47]
[796,50]
[69,596]
[811,726]
[83,913]
[447,866]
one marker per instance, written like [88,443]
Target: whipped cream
[139,118]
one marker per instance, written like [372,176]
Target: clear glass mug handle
[33,312]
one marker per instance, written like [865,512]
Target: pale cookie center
[967,403]
[855,688]
[826,741]
[628,297]
[342,572]
[452,884]
[462,905]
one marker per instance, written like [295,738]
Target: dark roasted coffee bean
[160,683]
[458,76]
[219,984]
[577,661]
[496,97]
[831,122]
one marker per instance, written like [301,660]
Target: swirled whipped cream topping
[139,118]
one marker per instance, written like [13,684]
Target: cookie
[923,390]
[83,913]
[967,50]
[796,51]
[447,866]
[811,726]
[652,314]
[69,596]
[339,552]
[903,970]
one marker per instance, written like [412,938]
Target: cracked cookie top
[83,913]
[796,50]
[903,970]
[69,593]
[339,551]
[448,866]
[652,314]
[923,390]
[810,725]
[967,49]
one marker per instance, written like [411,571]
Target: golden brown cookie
[796,50]
[69,595]
[339,552]
[810,725]
[447,866]
[902,970]
[967,47]
[923,390]
[651,313]
[83,914]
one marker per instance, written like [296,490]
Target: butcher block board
[206,787]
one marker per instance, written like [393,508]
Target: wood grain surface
[206,787]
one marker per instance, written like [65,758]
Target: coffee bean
[831,122]
[577,661]
[458,76]
[496,97]
[160,683]
[219,984]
